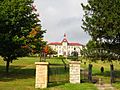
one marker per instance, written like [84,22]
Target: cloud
[62,16]
[69,21]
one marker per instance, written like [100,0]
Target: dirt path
[105,87]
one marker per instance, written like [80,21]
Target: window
[59,51]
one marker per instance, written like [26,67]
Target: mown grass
[117,86]
[56,61]
[68,86]
[22,76]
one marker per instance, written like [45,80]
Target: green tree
[48,50]
[34,40]
[17,20]
[102,22]
[51,51]
[94,52]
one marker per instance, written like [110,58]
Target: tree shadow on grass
[16,72]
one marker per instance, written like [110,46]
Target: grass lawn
[68,86]
[22,77]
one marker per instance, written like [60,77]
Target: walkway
[105,87]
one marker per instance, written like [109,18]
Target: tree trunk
[44,56]
[40,56]
[7,66]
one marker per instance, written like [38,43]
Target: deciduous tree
[20,31]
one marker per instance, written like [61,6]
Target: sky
[62,16]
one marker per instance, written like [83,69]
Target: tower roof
[64,39]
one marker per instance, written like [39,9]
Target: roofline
[71,43]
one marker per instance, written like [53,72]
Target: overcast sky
[62,16]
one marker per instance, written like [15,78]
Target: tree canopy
[20,29]
[49,51]
[94,52]
[102,22]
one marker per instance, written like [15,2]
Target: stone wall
[41,74]
[74,72]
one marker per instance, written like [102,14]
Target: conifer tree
[102,22]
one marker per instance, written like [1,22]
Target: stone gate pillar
[74,72]
[41,74]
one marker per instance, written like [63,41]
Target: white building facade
[65,48]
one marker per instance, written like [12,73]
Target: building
[65,48]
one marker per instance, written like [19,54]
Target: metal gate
[58,73]
[116,76]
[83,75]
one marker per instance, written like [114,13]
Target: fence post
[41,74]
[111,73]
[74,72]
[90,73]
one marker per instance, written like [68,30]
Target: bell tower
[65,46]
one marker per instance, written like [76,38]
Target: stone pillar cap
[42,63]
[74,62]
